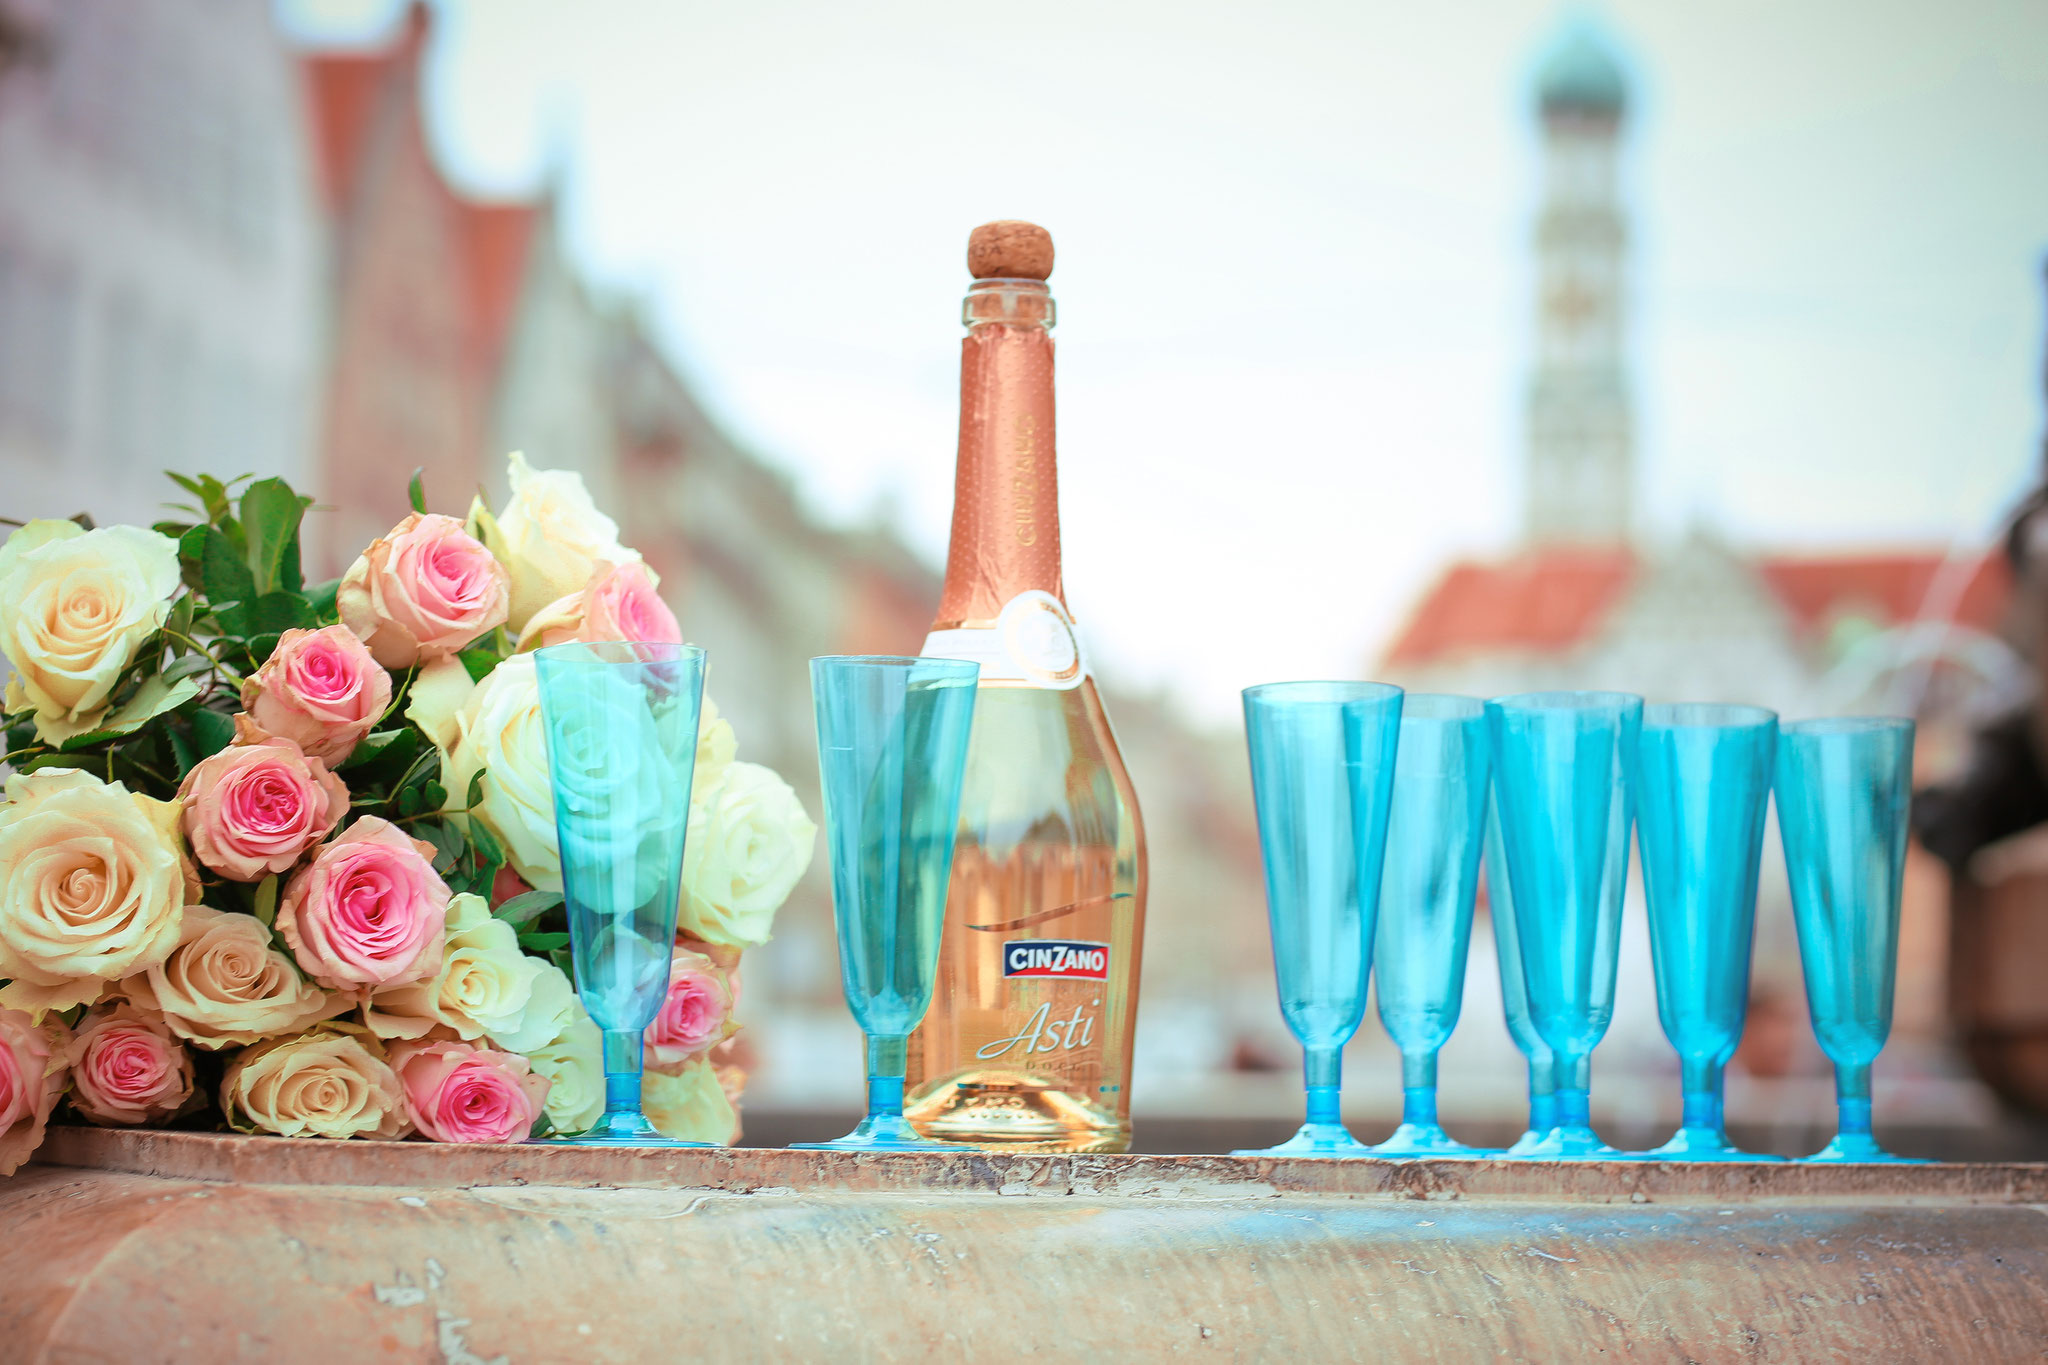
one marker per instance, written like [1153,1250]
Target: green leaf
[179,622]
[271,614]
[266,900]
[270,523]
[433,795]
[382,744]
[479,663]
[564,963]
[528,906]
[151,700]
[211,557]
[186,666]
[211,732]
[541,943]
[409,801]
[417,493]
[474,797]
[321,597]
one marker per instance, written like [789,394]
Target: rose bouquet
[282,856]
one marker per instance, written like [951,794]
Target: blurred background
[1695,351]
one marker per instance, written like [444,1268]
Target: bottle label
[1033,641]
[1044,957]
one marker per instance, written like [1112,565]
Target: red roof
[1548,601]
[1537,603]
[493,244]
[343,90]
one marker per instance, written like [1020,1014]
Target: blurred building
[1585,601]
[161,298]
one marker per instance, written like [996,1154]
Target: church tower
[1580,442]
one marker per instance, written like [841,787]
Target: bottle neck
[1006,520]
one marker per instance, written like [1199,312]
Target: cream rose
[127,1069]
[749,844]
[75,606]
[487,988]
[690,1105]
[573,1063]
[32,1077]
[716,748]
[496,726]
[227,985]
[93,884]
[551,538]
[320,1084]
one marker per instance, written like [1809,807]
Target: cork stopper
[1009,249]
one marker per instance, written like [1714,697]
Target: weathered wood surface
[195,1247]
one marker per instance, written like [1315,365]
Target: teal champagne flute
[1322,759]
[1845,787]
[1564,768]
[620,719]
[1703,785]
[892,749]
[1435,837]
[1514,990]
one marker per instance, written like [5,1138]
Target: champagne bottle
[1027,1045]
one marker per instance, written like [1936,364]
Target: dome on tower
[1581,72]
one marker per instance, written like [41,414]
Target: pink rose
[31,1080]
[619,603]
[368,911]
[255,806]
[423,591]
[320,689]
[126,1068]
[458,1092]
[696,1012]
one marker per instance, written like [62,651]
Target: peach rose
[325,1083]
[423,591]
[690,1105]
[368,910]
[75,606]
[320,689]
[31,1081]
[93,884]
[254,807]
[619,603]
[126,1068]
[227,985]
[456,1092]
[696,1014]
[550,537]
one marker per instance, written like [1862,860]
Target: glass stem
[1542,1097]
[622,1061]
[1702,1083]
[1852,1099]
[1418,1089]
[1572,1110]
[888,1057]
[1323,1070]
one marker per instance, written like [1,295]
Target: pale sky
[1294,270]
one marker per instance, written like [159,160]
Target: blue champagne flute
[1703,783]
[1322,759]
[620,720]
[1844,789]
[1514,990]
[892,747]
[1435,836]
[1564,770]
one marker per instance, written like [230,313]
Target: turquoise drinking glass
[1322,758]
[620,720]
[1514,990]
[1703,784]
[1844,789]
[1435,836]
[892,747]
[1564,770]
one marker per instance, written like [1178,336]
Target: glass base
[1573,1142]
[1314,1139]
[1428,1140]
[1861,1147]
[621,1129]
[1525,1144]
[880,1133]
[1704,1144]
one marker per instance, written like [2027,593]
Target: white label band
[1033,641]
